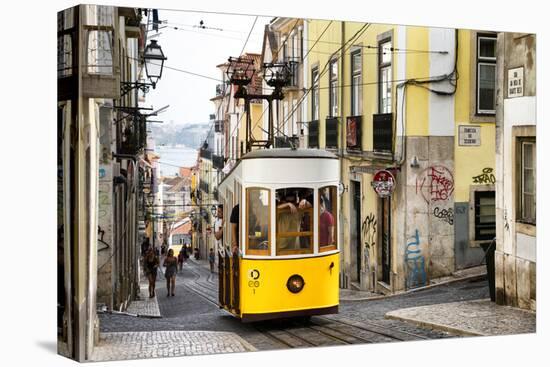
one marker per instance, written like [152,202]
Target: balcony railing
[331,136]
[353,133]
[205,153]
[313,130]
[203,186]
[220,89]
[217,161]
[382,132]
[294,71]
[218,126]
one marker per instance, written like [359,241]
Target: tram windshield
[257,222]
[327,218]
[294,219]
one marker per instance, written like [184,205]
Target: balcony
[218,126]
[220,89]
[331,136]
[353,133]
[382,135]
[204,186]
[205,153]
[313,141]
[293,65]
[218,161]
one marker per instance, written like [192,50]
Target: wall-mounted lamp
[414,162]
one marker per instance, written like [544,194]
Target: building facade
[415,104]
[515,256]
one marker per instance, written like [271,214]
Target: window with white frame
[333,88]
[356,90]
[486,74]
[315,93]
[528,178]
[385,76]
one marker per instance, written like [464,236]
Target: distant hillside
[190,135]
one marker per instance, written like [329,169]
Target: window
[294,220]
[486,74]
[528,162]
[257,226]
[99,40]
[315,93]
[356,90]
[333,88]
[385,76]
[65,22]
[485,227]
[327,218]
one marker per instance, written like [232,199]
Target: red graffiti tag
[436,183]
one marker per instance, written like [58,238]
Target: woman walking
[171,265]
[151,264]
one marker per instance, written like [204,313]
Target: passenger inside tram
[294,220]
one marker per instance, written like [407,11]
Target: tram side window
[257,221]
[327,218]
[294,221]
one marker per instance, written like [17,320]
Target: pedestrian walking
[171,265]
[181,258]
[151,264]
[196,253]
[211,259]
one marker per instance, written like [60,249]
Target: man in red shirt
[326,223]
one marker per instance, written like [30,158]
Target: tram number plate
[253,276]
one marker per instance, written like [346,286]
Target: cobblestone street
[191,323]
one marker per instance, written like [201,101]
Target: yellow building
[416,105]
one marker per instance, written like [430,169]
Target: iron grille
[331,132]
[313,134]
[382,132]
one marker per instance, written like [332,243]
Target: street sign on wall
[469,135]
[383,183]
[515,82]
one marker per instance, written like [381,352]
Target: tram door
[235,256]
[386,239]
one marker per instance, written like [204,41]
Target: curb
[432,325]
[375,298]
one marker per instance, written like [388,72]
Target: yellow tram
[286,259]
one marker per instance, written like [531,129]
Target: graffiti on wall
[415,263]
[486,177]
[436,183]
[103,201]
[446,215]
[102,245]
[369,235]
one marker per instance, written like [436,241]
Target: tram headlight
[295,283]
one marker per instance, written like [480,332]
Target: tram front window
[327,218]
[257,221]
[294,221]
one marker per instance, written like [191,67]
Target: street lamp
[154,62]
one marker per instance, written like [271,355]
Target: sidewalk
[479,317]
[127,345]
[350,295]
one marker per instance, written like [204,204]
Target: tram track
[320,331]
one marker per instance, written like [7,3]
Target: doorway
[355,230]
[386,239]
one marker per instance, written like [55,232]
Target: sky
[199,51]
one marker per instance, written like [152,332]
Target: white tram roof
[290,153]
[285,167]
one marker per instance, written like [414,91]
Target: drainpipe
[342,150]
